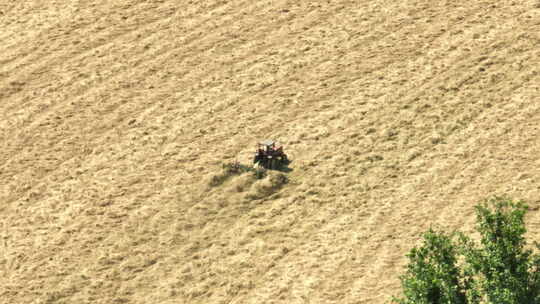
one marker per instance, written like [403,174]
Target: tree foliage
[499,268]
[433,274]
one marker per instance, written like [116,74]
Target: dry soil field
[115,115]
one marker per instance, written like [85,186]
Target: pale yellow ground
[114,116]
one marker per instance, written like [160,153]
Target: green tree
[432,273]
[505,270]
[500,269]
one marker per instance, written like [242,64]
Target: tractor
[270,155]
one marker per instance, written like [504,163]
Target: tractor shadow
[285,168]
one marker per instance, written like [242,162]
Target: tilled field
[116,116]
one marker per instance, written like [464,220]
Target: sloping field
[115,115]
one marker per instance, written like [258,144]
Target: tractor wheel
[279,162]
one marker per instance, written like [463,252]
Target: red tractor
[270,155]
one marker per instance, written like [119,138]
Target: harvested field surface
[116,118]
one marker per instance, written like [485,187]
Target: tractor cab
[268,146]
